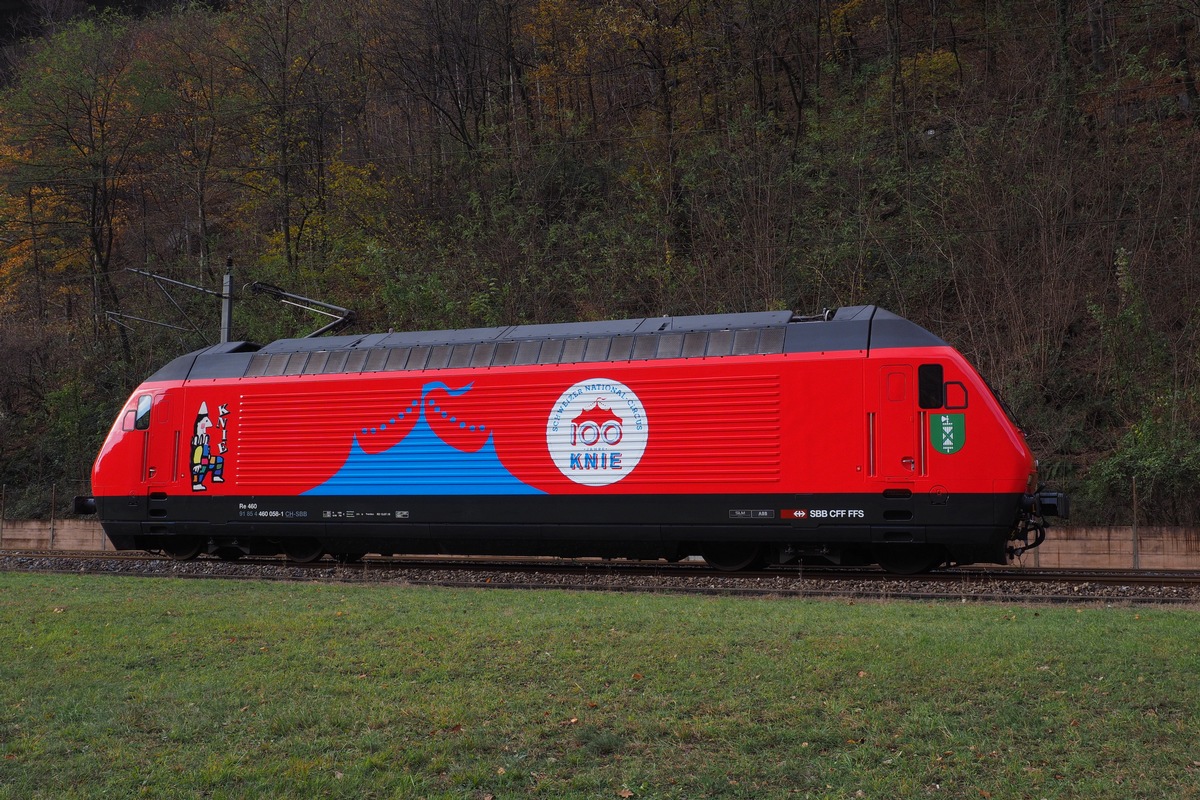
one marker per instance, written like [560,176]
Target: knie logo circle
[597,432]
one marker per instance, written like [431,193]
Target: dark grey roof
[563,330]
[852,328]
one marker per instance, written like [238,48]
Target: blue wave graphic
[423,464]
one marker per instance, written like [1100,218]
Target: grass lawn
[126,687]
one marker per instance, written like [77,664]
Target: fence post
[1134,533]
[53,500]
[3,497]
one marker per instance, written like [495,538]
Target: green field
[125,687]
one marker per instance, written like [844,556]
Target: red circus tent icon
[596,425]
[597,415]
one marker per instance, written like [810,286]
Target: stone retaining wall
[1155,548]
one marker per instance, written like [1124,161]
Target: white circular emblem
[597,432]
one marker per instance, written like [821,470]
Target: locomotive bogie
[748,439]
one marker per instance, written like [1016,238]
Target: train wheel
[303,551]
[905,559]
[732,556]
[183,548]
[348,558]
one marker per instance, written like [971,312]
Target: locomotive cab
[955,478]
[135,465]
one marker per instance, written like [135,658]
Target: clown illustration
[204,462]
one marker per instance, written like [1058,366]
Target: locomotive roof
[854,328]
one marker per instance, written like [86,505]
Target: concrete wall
[1147,547]
[1152,548]
[62,534]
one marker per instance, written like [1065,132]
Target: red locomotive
[855,437]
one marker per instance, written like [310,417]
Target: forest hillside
[1018,176]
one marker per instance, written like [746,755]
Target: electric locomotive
[855,436]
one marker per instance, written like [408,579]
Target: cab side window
[934,391]
[930,387]
[142,420]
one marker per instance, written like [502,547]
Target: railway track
[1003,584]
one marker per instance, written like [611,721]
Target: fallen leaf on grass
[625,793]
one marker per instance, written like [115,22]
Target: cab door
[898,464]
[160,452]
[153,417]
[898,434]
[137,426]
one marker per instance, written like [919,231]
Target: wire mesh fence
[34,501]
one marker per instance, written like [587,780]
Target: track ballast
[1021,584]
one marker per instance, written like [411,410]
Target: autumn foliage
[1019,177]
